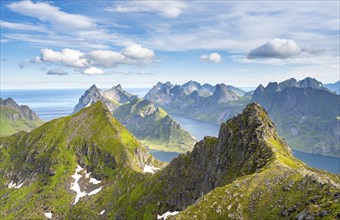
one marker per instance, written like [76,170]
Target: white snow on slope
[167,214]
[150,169]
[95,191]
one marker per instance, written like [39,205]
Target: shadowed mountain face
[248,172]
[334,87]
[305,113]
[202,102]
[15,118]
[150,124]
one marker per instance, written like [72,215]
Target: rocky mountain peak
[24,110]
[119,87]
[310,82]
[223,94]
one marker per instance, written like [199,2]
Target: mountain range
[305,113]
[88,166]
[202,102]
[296,107]
[15,118]
[150,124]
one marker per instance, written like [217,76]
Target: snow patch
[87,175]
[48,215]
[102,212]
[18,186]
[150,169]
[95,191]
[14,185]
[75,186]
[94,181]
[167,214]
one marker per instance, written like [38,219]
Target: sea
[54,103]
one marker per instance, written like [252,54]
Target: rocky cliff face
[298,109]
[238,175]
[15,118]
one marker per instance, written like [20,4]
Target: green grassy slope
[153,126]
[45,160]
[11,122]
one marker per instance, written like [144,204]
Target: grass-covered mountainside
[151,125]
[248,172]
[201,102]
[15,118]
[42,167]
[305,113]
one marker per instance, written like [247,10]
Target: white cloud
[105,58]
[93,71]
[213,57]
[164,8]
[89,62]
[276,48]
[135,51]
[19,26]
[67,57]
[46,12]
[58,72]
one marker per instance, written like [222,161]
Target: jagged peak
[118,87]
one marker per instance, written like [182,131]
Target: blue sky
[73,44]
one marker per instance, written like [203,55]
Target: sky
[74,44]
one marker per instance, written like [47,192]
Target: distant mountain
[148,123]
[112,97]
[201,102]
[305,113]
[88,166]
[15,118]
[335,87]
[153,126]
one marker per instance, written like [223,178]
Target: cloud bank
[90,63]
[168,9]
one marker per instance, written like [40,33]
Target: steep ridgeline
[66,164]
[305,113]
[148,123]
[112,97]
[202,102]
[248,172]
[334,87]
[153,126]
[15,118]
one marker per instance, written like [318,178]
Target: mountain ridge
[15,118]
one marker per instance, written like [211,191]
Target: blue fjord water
[50,104]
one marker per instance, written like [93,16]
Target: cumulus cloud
[66,57]
[276,48]
[93,71]
[90,62]
[46,12]
[58,72]
[213,57]
[135,51]
[168,9]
